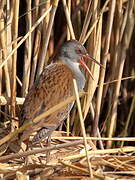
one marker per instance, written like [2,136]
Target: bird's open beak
[85,66]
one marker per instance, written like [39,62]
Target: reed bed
[31,33]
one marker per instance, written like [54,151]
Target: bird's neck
[79,76]
[80,80]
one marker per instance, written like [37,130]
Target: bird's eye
[78,51]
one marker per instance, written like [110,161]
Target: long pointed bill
[87,56]
[86,67]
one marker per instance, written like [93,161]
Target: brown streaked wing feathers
[53,86]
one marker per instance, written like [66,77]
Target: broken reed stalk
[7,101]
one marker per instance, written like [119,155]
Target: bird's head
[74,53]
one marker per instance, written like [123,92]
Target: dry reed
[107,30]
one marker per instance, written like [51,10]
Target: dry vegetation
[31,32]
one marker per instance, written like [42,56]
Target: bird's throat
[78,74]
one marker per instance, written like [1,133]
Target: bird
[54,85]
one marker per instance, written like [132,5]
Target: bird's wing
[53,86]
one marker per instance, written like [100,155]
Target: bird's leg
[44,133]
[48,142]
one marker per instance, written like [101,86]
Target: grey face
[72,50]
